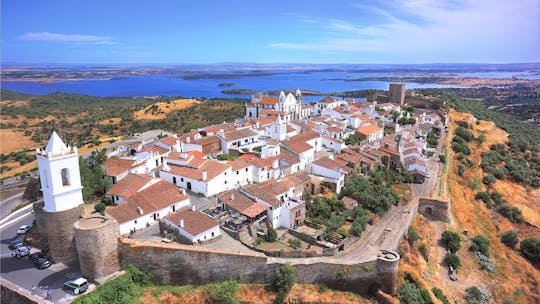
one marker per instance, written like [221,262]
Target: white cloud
[433,29]
[56,37]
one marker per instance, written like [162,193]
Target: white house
[147,206]
[333,144]
[242,138]
[333,171]
[194,226]
[371,133]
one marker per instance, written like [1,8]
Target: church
[288,106]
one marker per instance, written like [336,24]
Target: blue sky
[408,31]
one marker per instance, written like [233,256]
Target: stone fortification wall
[96,238]
[39,226]
[435,208]
[60,232]
[182,264]
[12,294]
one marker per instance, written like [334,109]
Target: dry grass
[112,121]
[164,108]
[12,140]
[260,294]
[514,277]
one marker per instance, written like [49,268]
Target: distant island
[226,84]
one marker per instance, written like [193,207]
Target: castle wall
[60,233]
[96,238]
[39,226]
[435,208]
[182,264]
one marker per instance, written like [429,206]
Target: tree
[92,178]
[453,260]
[410,293]
[484,196]
[510,238]
[224,293]
[451,241]
[412,235]
[511,212]
[442,158]
[489,180]
[481,244]
[284,281]
[530,249]
[100,208]
[271,234]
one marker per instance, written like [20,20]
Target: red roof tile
[195,222]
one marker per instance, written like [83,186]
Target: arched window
[65,177]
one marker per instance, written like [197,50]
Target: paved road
[9,203]
[23,273]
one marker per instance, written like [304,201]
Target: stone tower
[397,93]
[62,197]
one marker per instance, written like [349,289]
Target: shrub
[451,241]
[497,197]
[512,213]
[271,234]
[224,293]
[100,207]
[453,260]
[530,249]
[409,293]
[474,183]
[412,235]
[423,251]
[284,281]
[440,295]
[489,180]
[473,294]
[484,196]
[510,238]
[295,243]
[481,244]
[464,133]
[442,158]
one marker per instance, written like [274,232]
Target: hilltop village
[267,185]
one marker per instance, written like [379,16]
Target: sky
[304,31]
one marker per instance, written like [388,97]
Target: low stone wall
[183,264]
[11,294]
[437,208]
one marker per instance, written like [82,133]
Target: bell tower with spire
[59,175]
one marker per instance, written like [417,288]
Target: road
[9,203]
[23,273]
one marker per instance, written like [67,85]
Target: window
[181,179]
[65,177]
[237,172]
[174,180]
[246,169]
[135,222]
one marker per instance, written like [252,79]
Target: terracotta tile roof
[350,158]
[290,129]
[129,185]
[390,151]
[155,149]
[213,168]
[222,126]
[268,100]
[169,140]
[243,204]
[206,140]
[410,151]
[117,166]
[330,163]
[368,130]
[271,112]
[289,157]
[305,136]
[240,163]
[195,222]
[156,197]
[297,146]
[327,100]
[238,134]
[338,140]
[334,129]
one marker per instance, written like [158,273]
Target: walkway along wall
[183,264]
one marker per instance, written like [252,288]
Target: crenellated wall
[183,264]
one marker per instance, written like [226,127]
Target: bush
[100,207]
[284,281]
[464,133]
[530,249]
[271,234]
[510,238]
[481,244]
[489,180]
[409,293]
[423,251]
[412,235]
[439,295]
[451,241]
[442,158]
[473,294]
[295,243]
[484,196]
[497,198]
[512,213]
[224,293]
[453,260]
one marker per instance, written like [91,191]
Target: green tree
[224,293]
[453,260]
[284,281]
[510,238]
[451,241]
[481,244]
[271,234]
[92,177]
[412,235]
[440,295]
[511,212]
[530,249]
[100,208]
[410,293]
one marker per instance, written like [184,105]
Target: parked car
[42,263]
[21,252]
[15,244]
[24,229]
[36,255]
[76,286]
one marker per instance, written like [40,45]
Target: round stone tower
[96,238]
[62,197]
[387,268]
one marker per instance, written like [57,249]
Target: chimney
[181,223]
[140,210]
[331,156]
[232,196]
[188,139]
[165,167]
[182,191]
[204,175]
[192,207]
[275,164]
